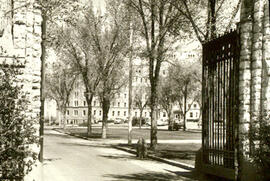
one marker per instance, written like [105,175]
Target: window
[76,94]
[100,113]
[118,104]
[191,114]
[76,103]
[125,113]
[145,114]
[95,103]
[84,103]
[94,112]
[84,112]
[113,113]
[125,104]
[164,72]
[125,95]
[197,114]
[139,71]
[141,79]
[164,114]
[67,112]
[76,112]
[195,105]
[118,113]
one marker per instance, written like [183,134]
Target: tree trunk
[170,122]
[89,116]
[140,123]
[105,110]
[185,110]
[64,118]
[130,105]
[153,133]
[42,89]
[211,21]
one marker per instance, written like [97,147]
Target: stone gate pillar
[254,85]
[20,39]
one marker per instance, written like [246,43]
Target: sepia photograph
[134,90]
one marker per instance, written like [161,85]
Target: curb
[153,157]
[132,151]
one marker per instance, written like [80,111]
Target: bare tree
[167,97]
[141,100]
[60,83]
[157,18]
[50,9]
[109,42]
[208,18]
[186,87]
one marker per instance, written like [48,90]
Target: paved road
[68,158]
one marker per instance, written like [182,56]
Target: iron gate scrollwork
[220,100]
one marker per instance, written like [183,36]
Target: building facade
[77,108]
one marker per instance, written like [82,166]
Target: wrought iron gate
[220,100]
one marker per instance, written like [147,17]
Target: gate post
[254,84]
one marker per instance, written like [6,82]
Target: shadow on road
[86,145]
[121,157]
[183,176]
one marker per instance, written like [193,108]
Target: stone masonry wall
[254,85]
[20,39]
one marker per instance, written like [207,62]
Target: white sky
[99,4]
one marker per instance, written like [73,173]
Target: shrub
[261,154]
[136,121]
[17,134]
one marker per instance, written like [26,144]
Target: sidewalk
[122,145]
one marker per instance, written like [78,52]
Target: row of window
[139,71]
[136,114]
[96,103]
[76,113]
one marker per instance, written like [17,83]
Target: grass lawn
[121,133]
[184,152]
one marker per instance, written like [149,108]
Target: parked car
[118,121]
[177,124]
[161,122]
[110,121]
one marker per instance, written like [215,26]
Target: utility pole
[130,103]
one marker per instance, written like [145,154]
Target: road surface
[67,158]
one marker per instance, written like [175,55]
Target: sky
[99,3]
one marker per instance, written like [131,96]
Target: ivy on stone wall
[17,133]
[261,154]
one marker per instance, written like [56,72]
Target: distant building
[77,108]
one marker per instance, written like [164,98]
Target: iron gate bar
[220,100]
